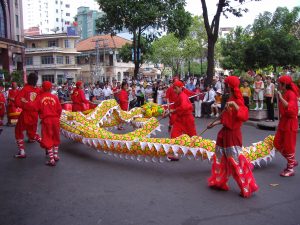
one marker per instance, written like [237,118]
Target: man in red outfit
[49,109]
[2,107]
[11,106]
[184,122]
[28,118]
[80,103]
[171,97]
[182,114]
[123,100]
[228,158]
[286,135]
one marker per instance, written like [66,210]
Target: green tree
[167,51]
[212,29]
[233,49]
[273,41]
[143,17]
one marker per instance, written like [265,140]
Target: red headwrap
[78,84]
[178,83]
[47,85]
[13,83]
[234,83]
[285,79]
[175,78]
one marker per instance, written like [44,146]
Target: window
[48,78]
[67,43]
[47,60]
[52,43]
[33,45]
[56,2]
[61,2]
[2,22]
[16,3]
[68,14]
[17,21]
[67,59]
[18,38]
[59,60]
[62,20]
[28,61]
[57,19]
[60,79]
[56,10]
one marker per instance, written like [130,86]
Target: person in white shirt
[148,92]
[209,99]
[140,94]
[160,93]
[97,92]
[107,92]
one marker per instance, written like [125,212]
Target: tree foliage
[212,29]
[269,42]
[148,18]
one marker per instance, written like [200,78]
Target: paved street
[91,188]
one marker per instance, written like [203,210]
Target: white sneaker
[256,108]
[217,115]
[212,114]
[261,108]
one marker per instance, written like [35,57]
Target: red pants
[285,142]
[50,132]
[184,125]
[228,138]
[22,126]
[2,110]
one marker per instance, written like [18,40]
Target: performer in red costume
[49,109]
[11,106]
[184,122]
[78,98]
[171,97]
[286,135]
[228,158]
[2,106]
[182,115]
[123,100]
[28,118]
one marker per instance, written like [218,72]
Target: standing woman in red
[28,118]
[78,98]
[123,100]
[228,158]
[286,135]
[184,122]
[11,103]
[2,106]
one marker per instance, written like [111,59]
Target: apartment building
[52,57]
[11,35]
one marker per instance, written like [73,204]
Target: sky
[255,8]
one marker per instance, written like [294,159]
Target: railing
[48,49]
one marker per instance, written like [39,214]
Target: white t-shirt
[97,92]
[107,92]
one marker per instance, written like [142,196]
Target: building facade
[11,35]
[52,57]
[99,59]
[86,22]
[52,16]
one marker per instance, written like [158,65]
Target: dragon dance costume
[13,111]
[28,118]
[286,135]
[228,158]
[80,103]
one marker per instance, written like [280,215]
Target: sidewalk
[263,125]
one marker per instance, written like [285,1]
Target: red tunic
[49,109]
[28,118]
[184,122]
[123,98]
[2,105]
[79,101]
[12,108]
[172,97]
[230,135]
[286,135]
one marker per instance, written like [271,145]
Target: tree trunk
[210,62]
[137,61]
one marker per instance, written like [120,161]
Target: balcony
[42,50]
